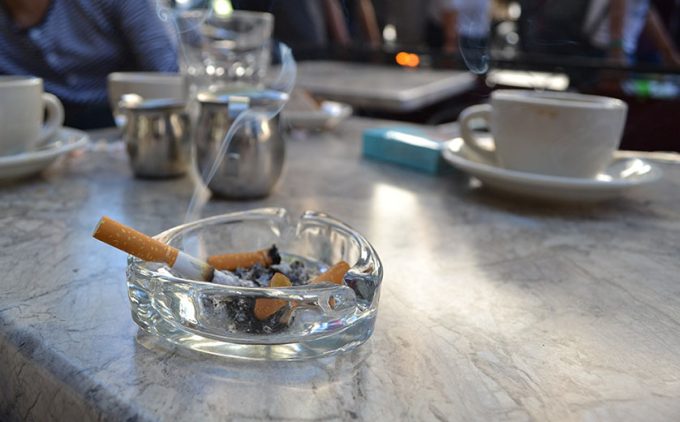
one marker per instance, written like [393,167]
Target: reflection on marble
[492,309]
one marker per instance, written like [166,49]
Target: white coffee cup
[23,126]
[148,85]
[552,133]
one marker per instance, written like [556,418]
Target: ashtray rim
[368,252]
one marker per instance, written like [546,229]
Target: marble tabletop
[492,308]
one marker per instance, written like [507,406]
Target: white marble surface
[492,308]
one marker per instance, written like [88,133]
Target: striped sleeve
[147,35]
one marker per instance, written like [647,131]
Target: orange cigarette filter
[133,242]
[232,261]
[334,274]
[264,308]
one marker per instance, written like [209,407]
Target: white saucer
[623,173]
[29,163]
[329,115]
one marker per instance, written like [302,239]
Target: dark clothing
[298,23]
[78,43]
[474,50]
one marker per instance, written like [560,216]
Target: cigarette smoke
[285,82]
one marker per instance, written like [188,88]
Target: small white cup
[552,133]
[23,126]
[148,85]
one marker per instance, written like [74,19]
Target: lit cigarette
[146,248]
[232,261]
[334,274]
[264,308]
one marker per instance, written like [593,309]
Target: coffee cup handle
[55,117]
[480,111]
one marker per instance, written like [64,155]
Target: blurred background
[622,48]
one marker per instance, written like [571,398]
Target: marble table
[492,308]
[382,88]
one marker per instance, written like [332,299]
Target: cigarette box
[410,147]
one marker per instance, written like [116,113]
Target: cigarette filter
[334,274]
[232,261]
[264,308]
[146,248]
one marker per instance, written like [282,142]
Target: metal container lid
[136,102]
[256,97]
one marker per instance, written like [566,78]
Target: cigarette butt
[232,261]
[146,248]
[334,274]
[133,242]
[264,308]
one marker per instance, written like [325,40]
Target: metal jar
[253,161]
[157,137]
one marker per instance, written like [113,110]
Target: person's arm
[335,19]
[147,35]
[450,29]
[369,22]
[617,16]
[654,28]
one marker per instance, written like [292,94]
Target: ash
[258,273]
[296,271]
[237,313]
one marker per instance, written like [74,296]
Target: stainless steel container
[157,136]
[254,159]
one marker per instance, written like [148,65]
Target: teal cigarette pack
[406,146]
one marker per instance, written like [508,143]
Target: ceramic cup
[148,85]
[28,116]
[552,133]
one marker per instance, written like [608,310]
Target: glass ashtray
[315,320]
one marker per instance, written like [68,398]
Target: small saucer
[28,163]
[623,173]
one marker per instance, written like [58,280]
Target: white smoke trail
[285,82]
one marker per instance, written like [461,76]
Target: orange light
[407,59]
[414,60]
[402,58]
